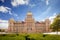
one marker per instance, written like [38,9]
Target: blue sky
[17,9]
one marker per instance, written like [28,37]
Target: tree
[56,23]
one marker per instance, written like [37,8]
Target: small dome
[11,19]
[29,13]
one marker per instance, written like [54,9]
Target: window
[39,28]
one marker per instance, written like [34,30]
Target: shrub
[2,35]
[29,37]
[44,35]
[11,35]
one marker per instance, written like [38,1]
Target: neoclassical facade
[29,25]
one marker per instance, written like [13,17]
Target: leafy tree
[56,23]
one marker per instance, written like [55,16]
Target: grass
[29,36]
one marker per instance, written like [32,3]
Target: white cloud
[18,18]
[15,15]
[4,9]
[10,13]
[52,17]
[19,2]
[47,2]
[2,0]
[32,5]
[3,24]
[46,11]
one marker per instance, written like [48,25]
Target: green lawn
[28,36]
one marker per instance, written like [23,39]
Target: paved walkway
[53,33]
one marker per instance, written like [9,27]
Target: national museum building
[29,25]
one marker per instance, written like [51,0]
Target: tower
[30,23]
[11,25]
[29,17]
[47,24]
